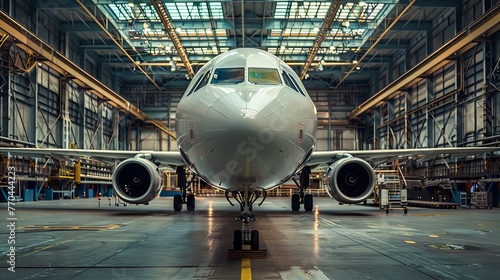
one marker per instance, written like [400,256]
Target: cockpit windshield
[228,76]
[268,76]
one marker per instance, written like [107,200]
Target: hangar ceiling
[156,46]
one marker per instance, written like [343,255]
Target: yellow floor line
[246,269]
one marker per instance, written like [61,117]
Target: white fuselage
[257,131]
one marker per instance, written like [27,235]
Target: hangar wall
[453,106]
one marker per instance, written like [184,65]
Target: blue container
[90,193]
[110,192]
[49,194]
[28,195]
[164,193]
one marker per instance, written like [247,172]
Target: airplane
[246,125]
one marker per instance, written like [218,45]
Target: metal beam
[162,13]
[376,42]
[486,25]
[89,13]
[28,41]
[161,127]
[327,23]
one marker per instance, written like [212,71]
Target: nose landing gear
[246,241]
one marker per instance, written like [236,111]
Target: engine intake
[136,180]
[350,180]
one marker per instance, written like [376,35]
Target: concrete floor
[75,239]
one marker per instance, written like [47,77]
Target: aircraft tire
[254,241]
[295,202]
[238,240]
[190,202]
[308,202]
[177,202]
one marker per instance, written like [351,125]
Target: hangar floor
[75,239]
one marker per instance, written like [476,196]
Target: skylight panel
[351,11]
[373,11]
[150,13]
[297,10]
[121,11]
[298,33]
[191,32]
[194,10]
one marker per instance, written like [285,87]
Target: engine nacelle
[350,180]
[136,180]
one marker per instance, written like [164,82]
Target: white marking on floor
[298,273]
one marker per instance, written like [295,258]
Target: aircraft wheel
[238,240]
[254,242]
[295,202]
[177,202]
[190,202]
[308,202]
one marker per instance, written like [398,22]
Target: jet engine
[350,180]
[136,180]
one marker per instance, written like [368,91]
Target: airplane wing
[170,158]
[378,156]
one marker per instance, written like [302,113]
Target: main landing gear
[301,197]
[184,197]
[246,241]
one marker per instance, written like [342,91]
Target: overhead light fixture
[306,76]
[316,29]
[173,67]
[358,68]
[346,24]
[320,65]
[355,61]
[362,3]
[131,3]
[178,30]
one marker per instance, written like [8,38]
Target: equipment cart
[482,200]
[392,195]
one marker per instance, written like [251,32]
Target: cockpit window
[289,81]
[228,76]
[201,82]
[268,76]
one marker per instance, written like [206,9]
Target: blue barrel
[49,194]
[28,195]
[110,192]
[90,193]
